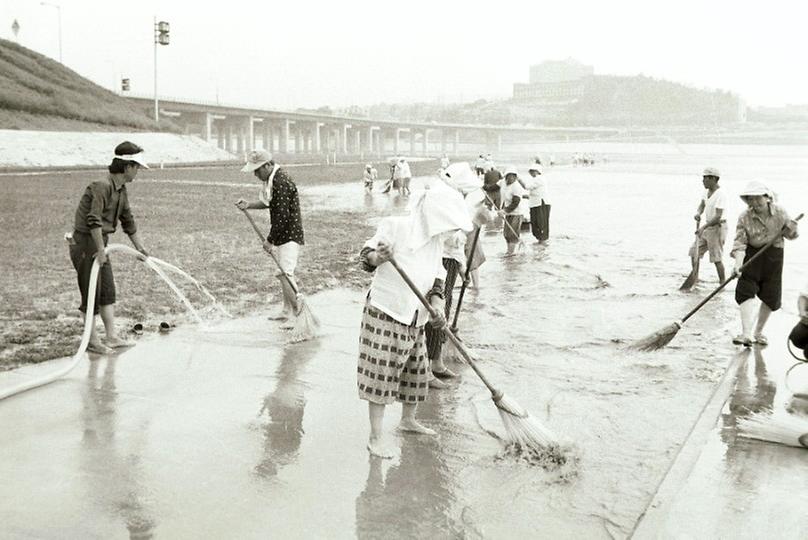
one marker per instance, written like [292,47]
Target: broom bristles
[306,324]
[658,339]
[523,429]
[789,430]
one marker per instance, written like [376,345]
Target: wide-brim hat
[535,167]
[256,159]
[510,169]
[754,188]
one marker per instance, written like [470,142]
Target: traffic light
[124,85]
[161,33]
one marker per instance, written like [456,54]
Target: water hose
[89,321]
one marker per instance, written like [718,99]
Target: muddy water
[545,327]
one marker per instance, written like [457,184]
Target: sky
[304,53]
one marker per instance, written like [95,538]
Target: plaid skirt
[392,360]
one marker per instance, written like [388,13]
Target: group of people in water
[434,245]
[762,225]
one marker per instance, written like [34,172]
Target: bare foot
[115,342]
[410,424]
[287,324]
[98,348]
[378,449]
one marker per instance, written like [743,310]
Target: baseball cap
[129,151]
[711,171]
[255,159]
[535,167]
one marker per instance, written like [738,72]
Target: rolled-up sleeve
[127,220]
[741,239]
[436,290]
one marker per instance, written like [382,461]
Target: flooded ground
[224,430]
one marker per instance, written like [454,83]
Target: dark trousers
[435,337]
[82,255]
[540,221]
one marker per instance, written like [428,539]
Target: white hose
[89,321]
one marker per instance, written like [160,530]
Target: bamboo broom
[306,324]
[662,337]
[520,427]
[789,430]
[693,277]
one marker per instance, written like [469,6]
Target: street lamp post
[160,38]
[59,16]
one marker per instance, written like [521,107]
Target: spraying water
[154,264]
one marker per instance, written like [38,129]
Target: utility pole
[160,38]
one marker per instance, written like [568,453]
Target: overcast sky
[303,53]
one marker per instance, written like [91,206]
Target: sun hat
[510,169]
[129,151]
[755,187]
[256,159]
[711,171]
[535,167]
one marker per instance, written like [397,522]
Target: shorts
[82,255]
[712,240]
[287,255]
[512,233]
[763,278]
[392,360]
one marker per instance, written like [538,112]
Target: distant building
[555,82]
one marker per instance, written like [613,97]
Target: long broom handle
[505,218]
[457,343]
[734,275]
[277,263]
[465,278]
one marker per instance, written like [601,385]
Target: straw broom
[520,427]
[789,430]
[694,273]
[521,244]
[306,324]
[662,337]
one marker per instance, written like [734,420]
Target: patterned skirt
[392,360]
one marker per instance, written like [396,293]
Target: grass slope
[194,226]
[39,93]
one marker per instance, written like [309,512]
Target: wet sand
[227,432]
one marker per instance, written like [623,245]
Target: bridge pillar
[456,141]
[208,126]
[344,138]
[425,142]
[499,142]
[284,137]
[298,139]
[396,141]
[357,149]
[318,148]
[370,141]
[412,141]
[443,141]
[250,133]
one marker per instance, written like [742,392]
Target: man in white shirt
[511,196]
[539,202]
[713,230]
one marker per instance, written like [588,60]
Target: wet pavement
[227,431]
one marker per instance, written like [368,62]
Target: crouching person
[393,364]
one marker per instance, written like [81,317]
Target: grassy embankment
[39,93]
[193,226]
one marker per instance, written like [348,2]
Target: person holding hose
[762,221]
[103,204]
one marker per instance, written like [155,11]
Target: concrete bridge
[239,129]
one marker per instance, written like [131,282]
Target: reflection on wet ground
[226,431]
